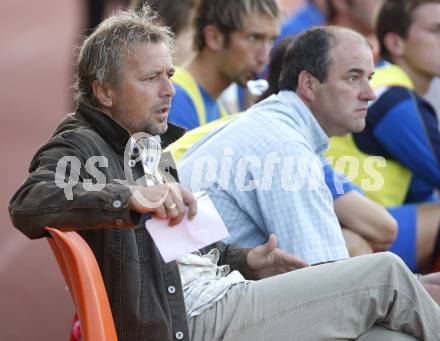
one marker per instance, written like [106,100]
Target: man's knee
[382,267]
[390,259]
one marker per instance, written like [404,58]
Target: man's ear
[307,85]
[395,44]
[102,93]
[214,39]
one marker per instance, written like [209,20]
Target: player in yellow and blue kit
[402,127]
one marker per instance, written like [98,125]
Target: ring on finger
[171,206]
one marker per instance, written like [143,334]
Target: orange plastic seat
[83,277]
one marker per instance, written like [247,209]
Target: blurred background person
[177,15]
[402,128]
[359,15]
[232,39]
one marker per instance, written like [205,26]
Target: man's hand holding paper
[189,235]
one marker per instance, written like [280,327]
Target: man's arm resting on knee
[366,218]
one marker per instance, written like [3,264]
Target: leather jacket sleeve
[42,201]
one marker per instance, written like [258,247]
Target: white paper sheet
[173,242]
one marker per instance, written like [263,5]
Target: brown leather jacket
[145,293]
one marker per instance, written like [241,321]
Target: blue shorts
[405,244]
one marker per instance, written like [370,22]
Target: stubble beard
[154,129]
[150,127]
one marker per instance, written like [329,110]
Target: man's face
[340,103]
[248,49]
[421,52]
[141,100]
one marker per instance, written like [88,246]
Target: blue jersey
[403,127]
[337,183]
[183,111]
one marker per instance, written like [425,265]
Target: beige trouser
[336,301]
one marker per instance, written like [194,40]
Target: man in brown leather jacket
[95,175]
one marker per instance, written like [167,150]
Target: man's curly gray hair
[101,55]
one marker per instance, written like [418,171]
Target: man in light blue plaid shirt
[263,173]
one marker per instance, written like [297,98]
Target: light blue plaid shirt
[264,175]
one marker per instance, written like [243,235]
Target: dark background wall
[37,40]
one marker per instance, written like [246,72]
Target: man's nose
[167,89]
[263,53]
[368,93]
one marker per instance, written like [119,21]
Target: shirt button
[131,163]
[119,222]
[117,204]
[171,289]
[179,335]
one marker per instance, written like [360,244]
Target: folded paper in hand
[190,235]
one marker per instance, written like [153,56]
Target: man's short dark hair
[276,62]
[227,16]
[310,52]
[396,16]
